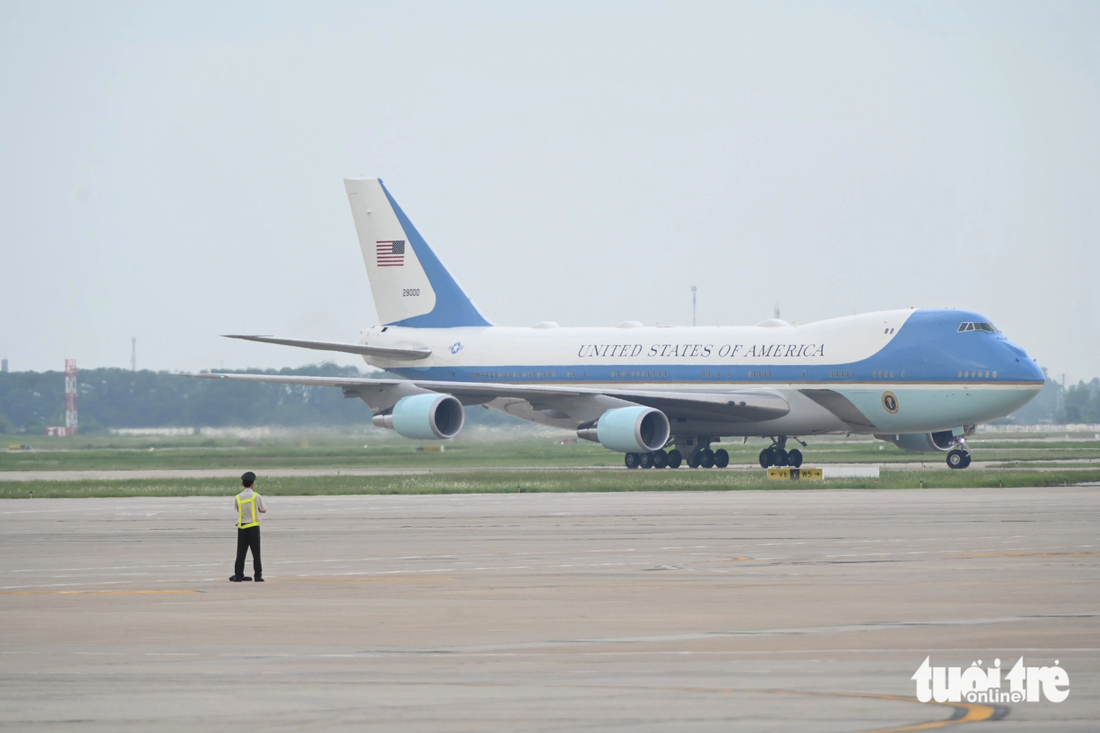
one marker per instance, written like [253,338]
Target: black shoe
[247,577]
[259,579]
[234,579]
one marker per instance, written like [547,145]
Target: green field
[511,464]
[331,449]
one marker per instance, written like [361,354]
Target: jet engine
[630,430]
[922,442]
[424,417]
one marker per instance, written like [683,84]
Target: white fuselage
[938,378]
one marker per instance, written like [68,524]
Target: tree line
[1077,403]
[120,398]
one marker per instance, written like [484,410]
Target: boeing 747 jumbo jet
[919,378]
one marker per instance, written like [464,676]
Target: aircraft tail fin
[411,287]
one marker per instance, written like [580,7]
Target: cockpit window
[987,327]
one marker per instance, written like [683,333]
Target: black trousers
[248,538]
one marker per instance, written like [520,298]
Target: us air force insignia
[890,402]
[456,347]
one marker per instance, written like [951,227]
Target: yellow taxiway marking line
[167,592]
[92,592]
[974,713]
[358,580]
[1032,554]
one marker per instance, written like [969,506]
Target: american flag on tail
[389,253]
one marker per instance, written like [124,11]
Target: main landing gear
[699,455]
[707,458]
[656,459]
[778,455]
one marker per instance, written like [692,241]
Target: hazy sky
[173,171]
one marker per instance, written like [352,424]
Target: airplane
[922,379]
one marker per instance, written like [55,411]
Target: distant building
[4,366]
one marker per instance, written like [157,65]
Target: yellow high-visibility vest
[251,501]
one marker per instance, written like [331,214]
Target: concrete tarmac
[747,610]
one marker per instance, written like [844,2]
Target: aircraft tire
[706,458]
[794,458]
[660,459]
[966,464]
[721,458]
[781,457]
[645,460]
[766,458]
[956,459]
[631,460]
[693,460]
[675,458]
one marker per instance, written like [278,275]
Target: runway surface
[754,611]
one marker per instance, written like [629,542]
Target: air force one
[919,378]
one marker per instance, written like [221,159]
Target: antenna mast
[70,397]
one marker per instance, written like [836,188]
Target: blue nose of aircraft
[1035,372]
[1019,366]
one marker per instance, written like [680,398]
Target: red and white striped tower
[70,396]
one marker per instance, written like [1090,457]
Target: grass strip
[498,482]
[519,454]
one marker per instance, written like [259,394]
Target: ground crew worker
[249,506]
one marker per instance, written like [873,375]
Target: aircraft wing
[422,352]
[580,403]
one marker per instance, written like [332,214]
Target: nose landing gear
[958,458]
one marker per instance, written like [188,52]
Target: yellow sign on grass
[794,474]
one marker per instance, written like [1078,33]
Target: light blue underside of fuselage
[940,378]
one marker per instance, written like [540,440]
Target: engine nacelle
[922,442]
[424,417]
[630,430]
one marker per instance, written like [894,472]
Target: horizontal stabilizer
[362,349]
